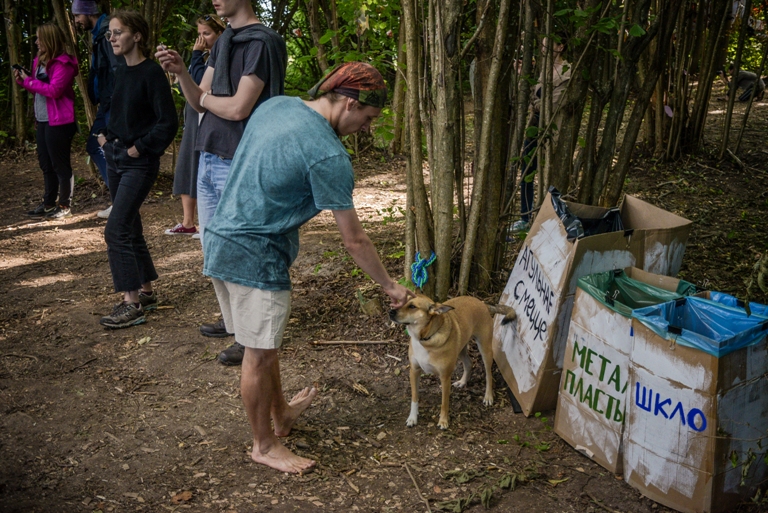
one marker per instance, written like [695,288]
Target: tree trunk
[484,151]
[717,39]
[65,22]
[444,53]
[737,66]
[317,32]
[666,20]
[13,36]
[417,194]
[522,100]
[332,20]
[398,99]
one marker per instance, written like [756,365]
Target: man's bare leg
[259,385]
[284,414]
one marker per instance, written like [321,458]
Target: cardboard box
[593,394]
[697,421]
[529,352]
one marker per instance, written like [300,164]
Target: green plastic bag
[623,294]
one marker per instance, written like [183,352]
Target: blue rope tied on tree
[419,269]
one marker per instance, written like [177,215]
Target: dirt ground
[145,419]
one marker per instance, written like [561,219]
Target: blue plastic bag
[705,325]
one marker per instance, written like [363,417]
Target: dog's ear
[438,309]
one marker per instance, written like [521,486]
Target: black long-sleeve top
[143,113]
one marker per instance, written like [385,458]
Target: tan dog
[439,337]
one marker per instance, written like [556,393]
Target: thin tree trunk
[398,100]
[715,41]
[667,18]
[316,30]
[737,67]
[444,53]
[65,22]
[417,194]
[749,102]
[489,105]
[13,36]
[523,98]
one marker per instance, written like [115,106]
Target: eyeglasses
[116,33]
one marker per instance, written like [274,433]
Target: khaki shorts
[257,317]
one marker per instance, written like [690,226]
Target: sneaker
[233,355]
[520,226]
[215,330]
[180,229]
[196,236]
[148,301]
[59,213]
[124,315]
[40,211]
[104,214]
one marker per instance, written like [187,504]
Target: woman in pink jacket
[53,72]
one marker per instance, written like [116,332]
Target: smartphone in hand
[21,68]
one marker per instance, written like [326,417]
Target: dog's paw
[443,424]
[459,384]
[488,400]
[412,421]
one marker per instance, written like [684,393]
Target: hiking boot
[59,213]
[40,211]
[124,315]
[180,229]
[216,330]
[233,355]
[104,214]
[148,301]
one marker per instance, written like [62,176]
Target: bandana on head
[87,7]
[357,80]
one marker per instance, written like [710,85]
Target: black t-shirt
[221,136]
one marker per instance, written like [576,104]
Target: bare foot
[279,457]
[296,407]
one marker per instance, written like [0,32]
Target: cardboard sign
[593,389]
[529,351]
[696,424]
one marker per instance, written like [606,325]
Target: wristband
[202,99]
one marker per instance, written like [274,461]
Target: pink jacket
[58,91]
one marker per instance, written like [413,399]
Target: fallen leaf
[144,340]
[381,436]
[180,497]
[555,482]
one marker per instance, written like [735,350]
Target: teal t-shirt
[289,166]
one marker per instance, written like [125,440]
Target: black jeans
[130,180]
[54,144]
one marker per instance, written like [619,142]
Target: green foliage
[751,55]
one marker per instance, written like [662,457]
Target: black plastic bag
[577,227]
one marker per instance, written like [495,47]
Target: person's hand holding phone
[19,73]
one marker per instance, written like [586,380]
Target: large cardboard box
[529,351]
[593,393]
[697,421]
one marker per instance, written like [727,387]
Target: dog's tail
[507,311]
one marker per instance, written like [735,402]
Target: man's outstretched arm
[364,253]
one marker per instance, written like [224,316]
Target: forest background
[461,76]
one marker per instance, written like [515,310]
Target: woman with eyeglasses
[53,73]
[141,126]
[209,28]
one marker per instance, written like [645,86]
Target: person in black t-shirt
[246,67]
[142,124]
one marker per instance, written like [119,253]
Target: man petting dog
[289,166]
